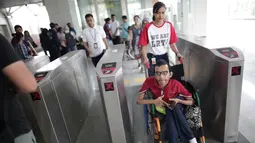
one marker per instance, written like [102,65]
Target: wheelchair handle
[148,65]
[181,60]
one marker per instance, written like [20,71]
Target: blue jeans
[176,124]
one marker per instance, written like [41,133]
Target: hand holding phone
[172,102]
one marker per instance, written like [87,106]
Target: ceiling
[11,3]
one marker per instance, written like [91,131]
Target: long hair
[156,7]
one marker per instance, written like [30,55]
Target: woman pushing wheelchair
[156,37]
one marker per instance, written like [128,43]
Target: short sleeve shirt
[172,89]
[114,26]
[124,32]
[92,36]
[11,112]
[158,38]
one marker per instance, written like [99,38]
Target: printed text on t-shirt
[159,40]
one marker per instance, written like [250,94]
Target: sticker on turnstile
[108,68]
[35,95]
[40,76]
[108,86]
[228,52]
[236,71]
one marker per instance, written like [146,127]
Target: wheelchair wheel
[157,135]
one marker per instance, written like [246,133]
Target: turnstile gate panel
[33,64]
[61,105]
[110,77]
[36,62]
[218,73]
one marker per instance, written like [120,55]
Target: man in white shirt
[94,39]
[115,32]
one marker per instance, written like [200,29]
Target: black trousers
[45,50]
[96,59]
[64,50]
[116,40]
[54,53]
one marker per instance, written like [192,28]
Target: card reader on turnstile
[38,76]
[108,68]
[228,52]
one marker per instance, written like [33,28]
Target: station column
[63,11]
[194,17]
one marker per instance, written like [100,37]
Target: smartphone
[171,104]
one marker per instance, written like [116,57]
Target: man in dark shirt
[18,29]
[54,49]
[14,73]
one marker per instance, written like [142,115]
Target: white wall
[5,30]
[62,12]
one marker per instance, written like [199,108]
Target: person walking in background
[134,34]
[107,29]
[18,29]
[62,40]
[144,22]
[28,39]
[71,28]
[20,48]
[124,33]
[24,51]
[54,42]
[70,39]
[44,40]
[94,39]
[115,32]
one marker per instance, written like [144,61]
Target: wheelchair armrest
[192,86]
[148,94]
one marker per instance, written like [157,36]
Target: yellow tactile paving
[139,80]
[136,80]
[126,82]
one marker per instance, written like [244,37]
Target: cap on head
[146,19]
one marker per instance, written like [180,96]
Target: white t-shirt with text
[158,38]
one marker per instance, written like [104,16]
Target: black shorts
[96,59]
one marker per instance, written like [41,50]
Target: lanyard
[94,38]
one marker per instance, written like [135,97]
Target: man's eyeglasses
[158,73]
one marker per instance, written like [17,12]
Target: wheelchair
[155,118]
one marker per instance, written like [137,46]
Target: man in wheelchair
[172,95]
